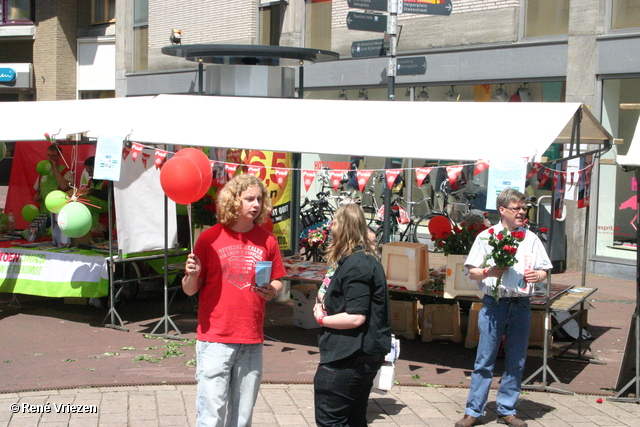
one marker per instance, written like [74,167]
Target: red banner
[363,177]
[136,149]
[481,166]
[307,178]
[159,158]
[336,177]
[231,169]
[280,175]
[453,172]
[422,174]
[391,175]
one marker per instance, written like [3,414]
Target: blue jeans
[341,391]
[228,378]
[510,317]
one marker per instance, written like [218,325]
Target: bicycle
[412,230]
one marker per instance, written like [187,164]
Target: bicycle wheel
[421,231]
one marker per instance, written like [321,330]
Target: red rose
[513,250]
[500,236]
[440,243]
[543,229]
[491,231]
[507,248]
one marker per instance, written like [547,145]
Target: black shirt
[358,286]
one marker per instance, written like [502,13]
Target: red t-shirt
[229,311]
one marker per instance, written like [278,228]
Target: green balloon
[3,150]
[55,201]
[44,167]
[74,219]
[30,212]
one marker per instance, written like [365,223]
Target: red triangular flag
[254,170]
[363,178]
[335,177]
[136,149]
[422,174]
[534,170]
[145,157]
[307,178]
[159,158]
[545,177]
[231,169]
[391,175]
[453,172]
[481,166]
[281,175]
[125,153]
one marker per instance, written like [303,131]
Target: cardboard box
[303,303]
[404,318]
[456,282]
[441,322]
[473,335]
[536,334]
[406,264]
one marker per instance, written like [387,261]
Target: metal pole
[392,30]
[200,77]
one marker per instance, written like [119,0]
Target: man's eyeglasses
[516,209]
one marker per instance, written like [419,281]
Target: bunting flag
[560,194]
[584,188]
[391,175]
[281,175]
[254,170]
[307,178]
[136,149]
[422,174]
[145,157]
[335,177]
[481,166]
[125,153]
[554,185]
[362,176]
[159,158]
[545,177]
[231,169]
[453,172]
[537,167]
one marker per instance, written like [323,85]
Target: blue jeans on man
[509,317]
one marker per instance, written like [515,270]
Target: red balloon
[181,180]
[440,226]
[202,161]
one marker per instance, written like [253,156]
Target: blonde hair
[229,202]
[349,233]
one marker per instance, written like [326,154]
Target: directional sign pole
[392,29]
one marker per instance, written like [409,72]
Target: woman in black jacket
[356,323]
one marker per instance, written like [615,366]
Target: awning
[434,130]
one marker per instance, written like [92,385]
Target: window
[140,35]
[625,14]
[318,24]
[16,12]
[271,19]
[546,18]
[103,11]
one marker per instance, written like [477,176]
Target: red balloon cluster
[186,177]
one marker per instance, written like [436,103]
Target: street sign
[427,7]
[367,22]
[379,5]
[411,66]
[368,48]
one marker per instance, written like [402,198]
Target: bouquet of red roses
[505,246]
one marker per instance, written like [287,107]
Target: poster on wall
[505,174]
[273,169]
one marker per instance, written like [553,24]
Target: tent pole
[547,324]
[166,319]
[112,296]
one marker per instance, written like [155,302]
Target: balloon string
[190,227]
[85,201]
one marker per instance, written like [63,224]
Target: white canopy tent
[437,130]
